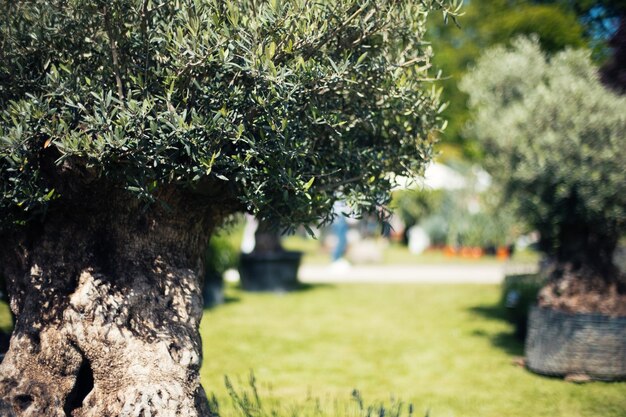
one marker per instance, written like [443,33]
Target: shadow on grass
[304,287]
[506,341]
[229,299]
[492,312]
[301,287]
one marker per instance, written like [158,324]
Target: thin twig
[253,6]
[114,53]
[413,61]
[339,183]
[145,15]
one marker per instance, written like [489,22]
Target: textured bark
[108,302]
[267,239]
[585,247]
[582,276]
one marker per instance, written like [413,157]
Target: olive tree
[555,137]
[129,129]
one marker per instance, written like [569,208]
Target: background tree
[487,23]
[554,136]
[599,17]
[130,128]
[605,25]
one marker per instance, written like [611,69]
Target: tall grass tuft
[248,402]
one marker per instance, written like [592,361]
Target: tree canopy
[554,137]
[487,23]
[277,105]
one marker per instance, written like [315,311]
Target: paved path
[439,273]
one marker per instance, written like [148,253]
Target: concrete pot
[271,272]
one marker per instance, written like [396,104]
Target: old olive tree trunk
[108,301]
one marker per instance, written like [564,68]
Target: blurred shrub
[414,205]
[519,293]
[492,227]
[471,230]
[220,255]
[436,227]
[458,217]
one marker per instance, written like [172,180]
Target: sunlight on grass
[6,324]
[440,347]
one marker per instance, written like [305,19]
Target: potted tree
[555,136]
[269,267]
[130,129]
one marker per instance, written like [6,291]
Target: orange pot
[502,253]
[476,253]
[449,251]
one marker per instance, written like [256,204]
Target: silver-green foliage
[279,102]
[555,137]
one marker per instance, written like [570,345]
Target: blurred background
[427,312]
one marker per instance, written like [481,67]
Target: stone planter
[273,272]
[560,344]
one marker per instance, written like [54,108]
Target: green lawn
[443,348]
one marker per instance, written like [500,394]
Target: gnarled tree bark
[108,303]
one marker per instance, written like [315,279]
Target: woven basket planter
[560,344]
